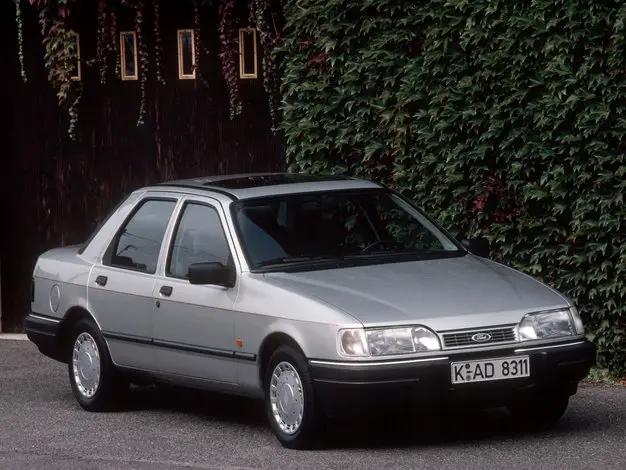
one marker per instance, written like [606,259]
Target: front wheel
[290,399]
[542,411]
[96,384]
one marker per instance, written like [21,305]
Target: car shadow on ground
[209,405]
[437,427]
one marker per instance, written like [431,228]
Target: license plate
[490,369]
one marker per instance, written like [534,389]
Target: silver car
[314,294]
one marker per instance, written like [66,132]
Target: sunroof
[255,181]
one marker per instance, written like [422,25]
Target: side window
[137,244]
[199,238]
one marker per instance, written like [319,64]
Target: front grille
[471,338]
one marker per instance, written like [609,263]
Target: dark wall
[59,189]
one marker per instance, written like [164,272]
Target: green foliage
[501,118]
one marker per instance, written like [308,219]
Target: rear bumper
[43,330]
[555,368]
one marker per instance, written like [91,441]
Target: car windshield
[297,228]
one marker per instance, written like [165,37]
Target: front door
[194,324]
[121,287]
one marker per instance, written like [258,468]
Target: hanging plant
[260,13]
[157,39]
[101,42]
[73,112]
[60,53]
[20,38]
[112,46]
[228,46]
[198,43]
[143,60]
[43,15]
[138,5]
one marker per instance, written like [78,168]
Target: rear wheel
[96,384]
[544,410]
[290,399]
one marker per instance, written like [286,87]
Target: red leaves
[495,193]
[501,215]
[317,60]
[278,40]
[479,203]
[226,7]
[305,44]
[63,11]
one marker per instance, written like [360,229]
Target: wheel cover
[86,365]
[287,398]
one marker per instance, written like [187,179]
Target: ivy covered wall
[501,117]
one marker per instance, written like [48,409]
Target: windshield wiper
[297,259]
[393,252]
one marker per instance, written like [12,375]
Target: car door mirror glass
[211,273]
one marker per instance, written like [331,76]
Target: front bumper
[342,386]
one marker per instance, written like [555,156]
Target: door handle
[166,291]
[101,280]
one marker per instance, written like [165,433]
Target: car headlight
[546,325]
[387,341]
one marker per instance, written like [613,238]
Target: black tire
[542,411]
[304,437]
[112,388]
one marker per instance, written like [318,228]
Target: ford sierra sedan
[315,294]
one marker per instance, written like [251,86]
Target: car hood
[451,293]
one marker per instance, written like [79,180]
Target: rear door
[121,286]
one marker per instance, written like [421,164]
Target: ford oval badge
[481,337]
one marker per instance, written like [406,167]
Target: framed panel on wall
[128,55]
[248,64]
[186,54]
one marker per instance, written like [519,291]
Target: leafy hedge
[503,118]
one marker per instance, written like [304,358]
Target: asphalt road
[42,427]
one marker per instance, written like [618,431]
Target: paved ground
[42,427]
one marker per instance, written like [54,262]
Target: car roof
[251,185]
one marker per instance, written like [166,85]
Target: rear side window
[199,238]
[136,246]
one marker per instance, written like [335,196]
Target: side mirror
[478,246]
[212,273]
